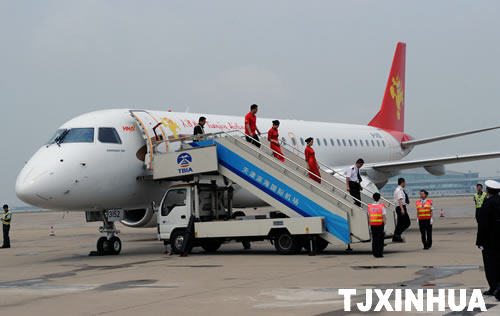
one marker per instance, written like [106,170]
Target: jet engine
[144,217]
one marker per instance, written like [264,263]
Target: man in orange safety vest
[424,214]
[376,212]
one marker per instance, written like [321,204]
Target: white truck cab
[200,214]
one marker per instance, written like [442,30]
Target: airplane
[95,161]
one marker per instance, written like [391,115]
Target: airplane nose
[32,185]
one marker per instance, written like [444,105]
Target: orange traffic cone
[442,214]
[52,231]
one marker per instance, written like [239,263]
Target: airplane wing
[409,164]
[448,136]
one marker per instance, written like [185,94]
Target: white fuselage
[96,175]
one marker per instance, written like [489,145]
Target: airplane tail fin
[391,115]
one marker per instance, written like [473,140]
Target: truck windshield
[175,197]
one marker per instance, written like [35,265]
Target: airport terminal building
[452,183]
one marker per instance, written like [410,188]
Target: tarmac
[53,275]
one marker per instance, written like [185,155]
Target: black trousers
[354,190]
[491,260]
[254,140]
[425,232]
[377,240]
[6,239]
[403,221]
[477,214]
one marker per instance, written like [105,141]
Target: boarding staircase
[283,185]
[333,181]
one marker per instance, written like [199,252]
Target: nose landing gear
[109,244]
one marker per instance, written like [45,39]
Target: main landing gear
[109,244]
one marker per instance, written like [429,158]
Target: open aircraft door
[153,133]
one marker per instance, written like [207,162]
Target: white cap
[492,184]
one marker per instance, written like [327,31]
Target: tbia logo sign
[429,301]
[184,161]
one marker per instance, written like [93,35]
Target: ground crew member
[251,129]
[199,130]
[377,212]
[6,220]
[424,215]
[273,138]
[312,164]
[488,237]
[479,198]
[353,181]
[403,220]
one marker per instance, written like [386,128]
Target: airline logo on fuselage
[397,94]
[171,125]
[184,161]
[129,128]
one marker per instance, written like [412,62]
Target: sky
[310,60]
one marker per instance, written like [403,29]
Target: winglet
[391,115]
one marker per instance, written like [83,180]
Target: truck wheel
[287,244]
[211,245]
[177,240]
[237,214]
[321,245]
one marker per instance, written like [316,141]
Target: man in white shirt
[353,181]
[403,221]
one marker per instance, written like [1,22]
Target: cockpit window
[73,135]
[56,136]
[109,135]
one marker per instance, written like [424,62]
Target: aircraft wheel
[114,245]
[100,244]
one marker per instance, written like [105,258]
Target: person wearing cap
[353,181]
[479,197]
[6,220]
[424,216]
[273,138]
[376,214]
[312,164]
[199,129]
[488,237]
[251,129]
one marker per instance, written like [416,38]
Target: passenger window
[350,142]
[373,143]
[361,142]
[367,142]
[294,142]
[343,142]
[332,142]
[283,140]
[383,143]
[355,142]
[109,135]
[176,197]
[78,135]
[338,142]
[325,142]
[318,141]
[302,141]
[378,144]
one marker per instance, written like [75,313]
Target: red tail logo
[391,115]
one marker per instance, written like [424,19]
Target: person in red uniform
[273,138]
[312,164]
[251,126]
